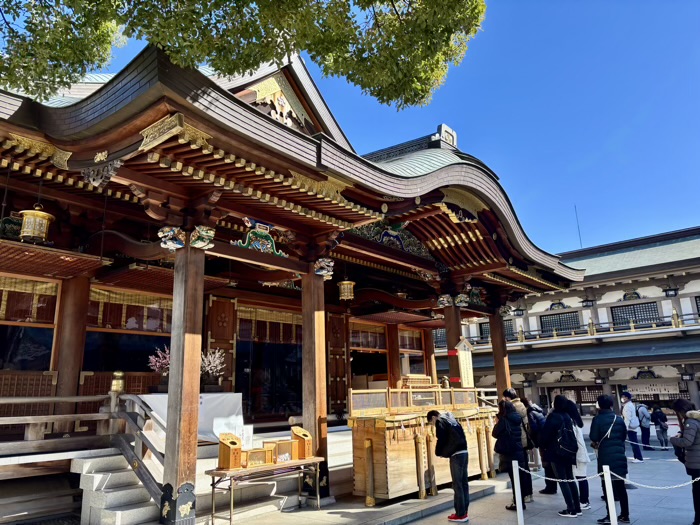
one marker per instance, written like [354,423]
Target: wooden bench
[241,475]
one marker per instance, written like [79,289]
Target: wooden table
[236,476]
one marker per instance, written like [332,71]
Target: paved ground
[668,507]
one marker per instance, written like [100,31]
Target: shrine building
[170,207]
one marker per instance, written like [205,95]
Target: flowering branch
[160,362]
[213,362]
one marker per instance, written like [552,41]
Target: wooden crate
[230,456]
[415,381]
[283,450]
[303,438]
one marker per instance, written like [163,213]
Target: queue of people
[522,426]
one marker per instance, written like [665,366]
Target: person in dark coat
[557,420]
[660,421]
[608,434]
[508,434]
[689,440]
[452,444]
[536,419]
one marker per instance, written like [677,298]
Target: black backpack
[566,445]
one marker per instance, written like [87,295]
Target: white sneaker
[585,506]
[635,460]
[529,499]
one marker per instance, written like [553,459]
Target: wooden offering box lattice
[390,432]
[258,456]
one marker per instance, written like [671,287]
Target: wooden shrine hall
[169,207]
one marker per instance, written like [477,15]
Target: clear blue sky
[592,103]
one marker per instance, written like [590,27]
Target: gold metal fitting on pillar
[117,382]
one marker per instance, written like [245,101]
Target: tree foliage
[397,51]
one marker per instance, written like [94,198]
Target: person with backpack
[509,394]
[560,448]
[608,434]
[644,424]
[629,415]
[536,419]
[582,460]
[687,445]
[660,421]
[507,432]
[452,444]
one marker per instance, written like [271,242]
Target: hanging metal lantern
[347,290]
[35,224]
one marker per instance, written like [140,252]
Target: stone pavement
[668,507]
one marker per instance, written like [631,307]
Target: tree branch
[393,5]
[7,23]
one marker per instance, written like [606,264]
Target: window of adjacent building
[560,322]
[638,313]
[27,322]
[485,329]
[440,338]
[697,304]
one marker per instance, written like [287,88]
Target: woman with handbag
[660,421]
[582,460]
[509,446]
[608,434]
[687,446]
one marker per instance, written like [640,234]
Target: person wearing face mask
[687,445]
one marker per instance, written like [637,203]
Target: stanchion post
[369,474]
[483,462]
[518,492]
[610,495]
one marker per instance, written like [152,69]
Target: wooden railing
[122,423]
[677,321]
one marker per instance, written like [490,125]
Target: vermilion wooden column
[313,359]
[453,333]
[430,365]
[393,355]
[71,326]
[178,501]
[500,352]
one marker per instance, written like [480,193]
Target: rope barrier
[599,474]
[670,487]
[646,446]
[560,480]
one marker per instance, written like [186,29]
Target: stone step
[128,515]
[98,464]
[105,480]
[116,497]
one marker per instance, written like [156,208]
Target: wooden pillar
[180,471]
[71,326]
[430,365]
[500,352]
[313,360]
[453,333]
[393,355]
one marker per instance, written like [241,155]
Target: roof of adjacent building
[656,250]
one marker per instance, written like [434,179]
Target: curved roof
[150,87]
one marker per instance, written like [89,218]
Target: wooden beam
[430,364]
[393,355]
[126,177]
[500,352]
[180,470]
[71,328]
[313,358]
[222,249]
[453,333]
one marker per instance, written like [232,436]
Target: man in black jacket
[452,444]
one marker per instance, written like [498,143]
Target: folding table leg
[299,480]
[213,500]
[318,487]
[230,490]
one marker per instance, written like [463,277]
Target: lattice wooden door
[221,333]
[337,363]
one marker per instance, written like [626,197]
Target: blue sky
[594,104]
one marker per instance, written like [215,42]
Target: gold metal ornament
[347,290]
[35,224]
